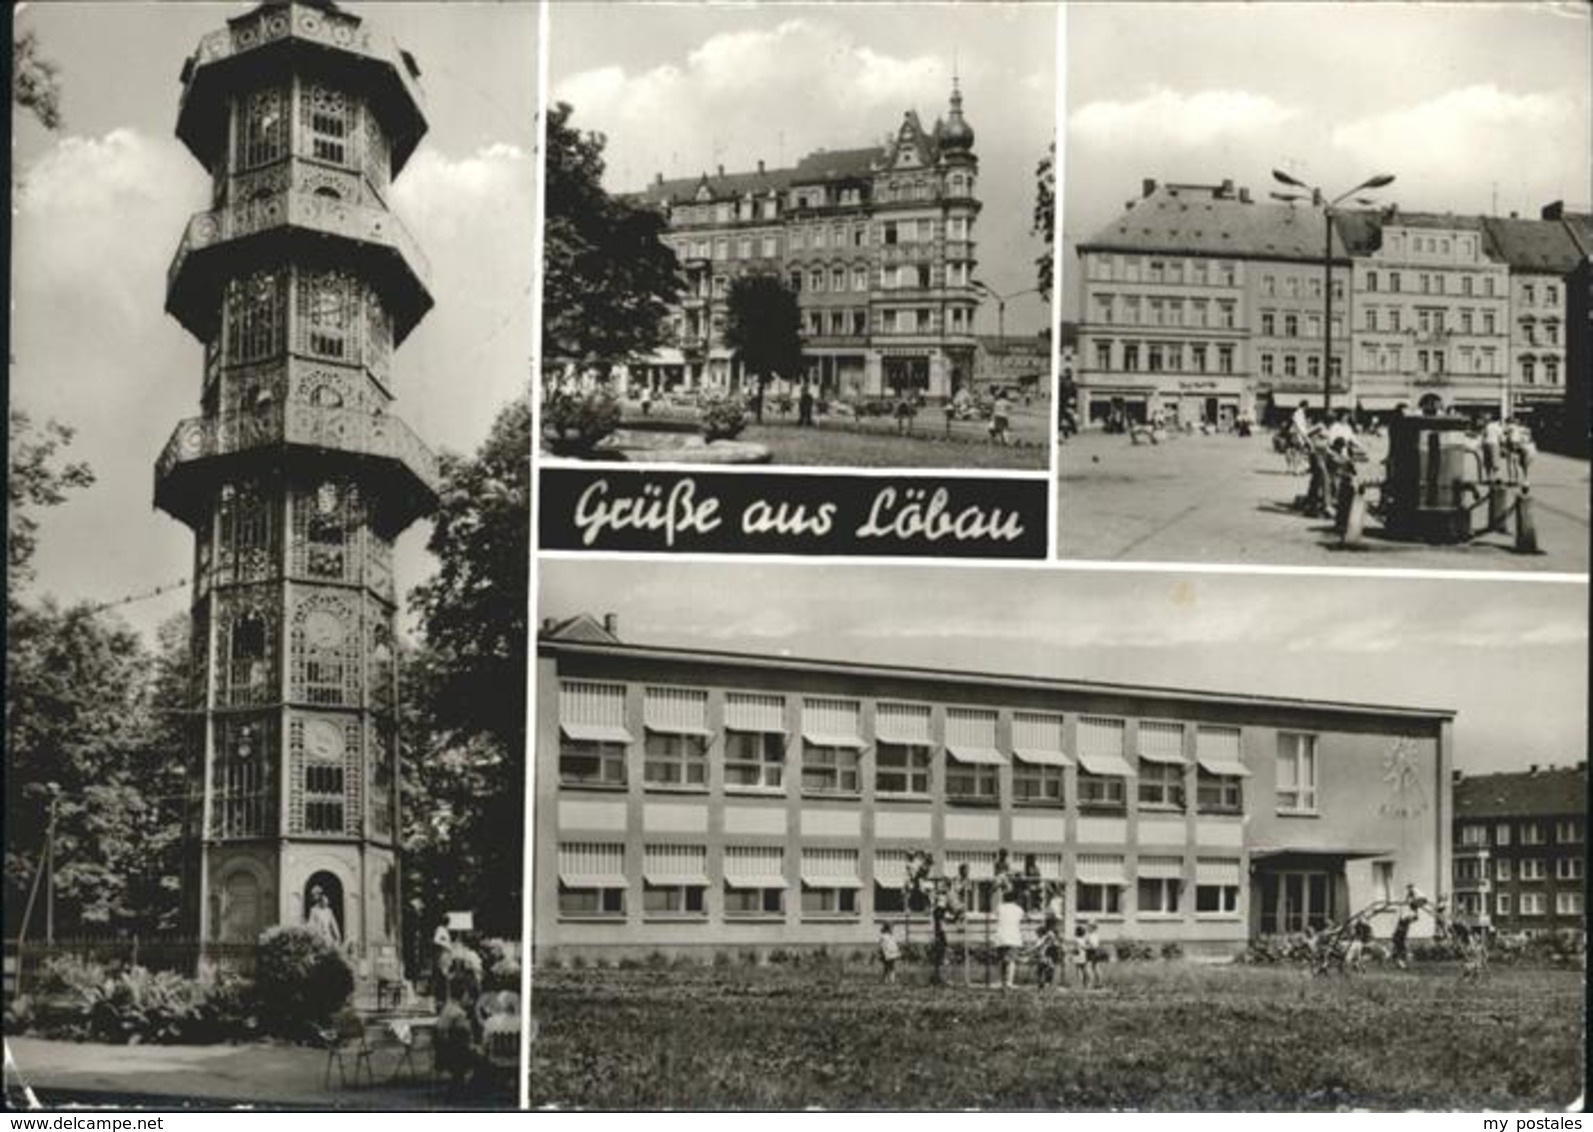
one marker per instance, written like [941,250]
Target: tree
[763,325]
[465,689]
[35,81]
[36,479]
[1045,218]
[608,277]
[81,696]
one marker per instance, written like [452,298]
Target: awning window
[1037,757]
[595,733]
[667,865]
[1161,742]
[1106,765]
[755,880]
[821,739]
[754,866]
[1100,868]
[830,868]
[676,711]
[752,712]
[1225,768]
[983,756]
[1160,868]
[1216,870]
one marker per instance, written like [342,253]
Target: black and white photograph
[1078,840]
[800,234]
[1325,285]
[269,478]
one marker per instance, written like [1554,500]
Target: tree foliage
[608,278]
[35,81]
[84,726]
[36,478]
[763,325]
[1045,218]
[465,688]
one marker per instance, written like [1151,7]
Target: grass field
[874,445]
[1159,1036]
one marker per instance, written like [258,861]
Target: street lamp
[1001,303]
[1318,197]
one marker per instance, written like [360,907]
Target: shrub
[722,959]
[575,422]
[749,957]
[1132,950]
[552,963]
[501,959]
[780,956]
[723,418]
[657,960]
[1172,949]
[302,980]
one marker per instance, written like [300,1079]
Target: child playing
[1048,956]
[889,952]
[1093,954]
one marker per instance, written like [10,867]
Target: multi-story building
[877,242]
[1520,846]
[1430,311]
[1540,255]
[1019,362]
[689,798]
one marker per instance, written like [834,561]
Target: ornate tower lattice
[296,477]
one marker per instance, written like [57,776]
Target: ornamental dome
[957,133]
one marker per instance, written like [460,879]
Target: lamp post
[1001,303]
[1317,196]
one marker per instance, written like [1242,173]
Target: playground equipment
[947,899]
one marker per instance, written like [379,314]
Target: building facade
[878,243]
[1020,362]
[297,476]
[1205,303]
[689,799]
[1521,848]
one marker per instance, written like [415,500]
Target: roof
[1533,245]
[554,644]
[1215,221]
[1552,790]
[822,165]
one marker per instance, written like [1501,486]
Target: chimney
[1458,774]
[760,165]
[1555,210]
[721,170]
[1147,186]
[1244,196]
[548,623]
[1225,190]
[658,178]
[1517,216]
[611,627]
[1533,769]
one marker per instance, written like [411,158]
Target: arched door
[327,884]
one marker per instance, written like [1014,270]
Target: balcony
[217,245]
[271,41]
[203,449]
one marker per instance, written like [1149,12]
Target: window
[1473,834]
[1037,775]
[1531,833]
[1217,899]
[754,881]
[830,746]
[754,759]
[256,316]
[1100,884]
[860,279]
[771,247]
[1502,904]
[1268,323]
[829,882]
[592,880]
[1532,869]
[973,763]
[1532,903]
[1158,885]
[1220,773]
[1501,833]
[1103,772]
[1225,314]
[1197,358]
[676,760]
[1568,868]
[1468,868]
[1296,773]
[1103,355]
[1161,765]
[1501,868]
[901,749]
[1224,359]
[328,307]
[1130,357]
[1291,326]
[674,880]
[592,735]
[1568,832]
[1568,903]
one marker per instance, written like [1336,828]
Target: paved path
[1223,499]
[256,1074]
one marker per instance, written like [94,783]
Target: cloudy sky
[1467,104]
[1511,657]
[681,90]
[100,207]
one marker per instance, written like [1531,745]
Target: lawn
[1168,1036]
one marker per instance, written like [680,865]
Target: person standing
[1410,907]
[1001,419]
[805,406]
[889,952]
[1009,938]
[442,945]
[940,913]
[321,920]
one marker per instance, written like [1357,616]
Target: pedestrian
[889,952]
[1048,957]
[1355,949]
[1492,448]
[951,415]
[940,913]
[1009,939]
[805,406]
[1001,419]
[1409,908]
[442,946]
[1519,447]
[904,414]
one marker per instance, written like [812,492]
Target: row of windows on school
[1527,870]
[755,751]
[751,881]
[1526,904]
[1566,831]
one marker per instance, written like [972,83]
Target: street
[1197,498]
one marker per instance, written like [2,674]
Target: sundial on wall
[1404,795]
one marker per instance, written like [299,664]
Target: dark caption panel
[664,512]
